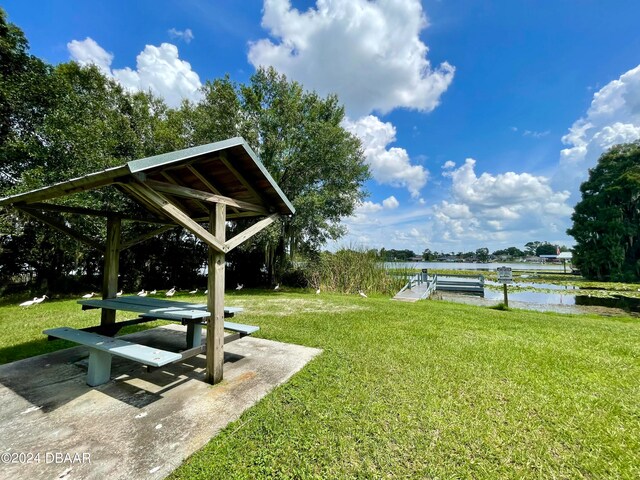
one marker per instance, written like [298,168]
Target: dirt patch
[289,306]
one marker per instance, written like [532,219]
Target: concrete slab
[140,424]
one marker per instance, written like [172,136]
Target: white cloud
[158,69]
[448,165]
[535,134]
[184,35]
[612,118]
[368,52]
[388,166]
[494,208]
[368,207]
[391,202]
[87,52]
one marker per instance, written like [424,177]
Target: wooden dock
[422,285]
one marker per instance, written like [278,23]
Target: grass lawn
[424,390]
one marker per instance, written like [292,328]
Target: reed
[350,271]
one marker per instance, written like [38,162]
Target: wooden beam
[239,176]
[82,184]
[173,181]
[146,236]
[143,201]
[215,297]
[86,211]
[111,266]
[61,227]
[186,192]
[207,183]
[250,232]
[232,216]
[170,210]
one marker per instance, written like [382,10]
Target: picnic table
[102,346]
[149,309]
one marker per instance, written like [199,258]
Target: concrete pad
[140,424]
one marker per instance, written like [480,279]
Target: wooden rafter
[207,183]
[61,227]
[186,192]
[160,202]
[239,176]
[173,181]
[125,187]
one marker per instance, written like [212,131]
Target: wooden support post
[215,297]
[506,297]
[111,265]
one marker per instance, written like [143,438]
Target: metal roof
[227,171]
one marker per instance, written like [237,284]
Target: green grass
[424,390]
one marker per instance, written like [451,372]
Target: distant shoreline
[519,266]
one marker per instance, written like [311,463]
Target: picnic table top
[156,307]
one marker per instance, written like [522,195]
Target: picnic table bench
[103,347]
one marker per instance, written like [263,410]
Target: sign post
[505,276]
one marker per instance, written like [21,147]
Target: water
[617,301]
[548,286]
[519,266]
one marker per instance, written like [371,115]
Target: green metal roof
[229,168]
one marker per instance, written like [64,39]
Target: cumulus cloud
[184,35]
[491,207]
[389,166]
[391,202]
[158,69]
[368,52]
[613,117]
[88,52]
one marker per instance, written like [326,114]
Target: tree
[66,121]
[428,255]
[315,161]
[510,252]
[482,254]
[24,103]
[606,221]
[546,248]
[532,247]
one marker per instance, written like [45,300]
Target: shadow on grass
[500,306]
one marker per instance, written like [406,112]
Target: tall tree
[606,222]
[315,161]
[24,103]
[482,254]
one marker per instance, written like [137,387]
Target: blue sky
[479,119]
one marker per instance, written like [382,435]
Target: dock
[422,285]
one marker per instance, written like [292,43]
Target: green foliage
[315,161]
[392,255]
[546,248]
[511,252]
[64,122]
[482,254]
[606,222]
[351,271]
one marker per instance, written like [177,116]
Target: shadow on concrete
[52,380]
[140,424]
